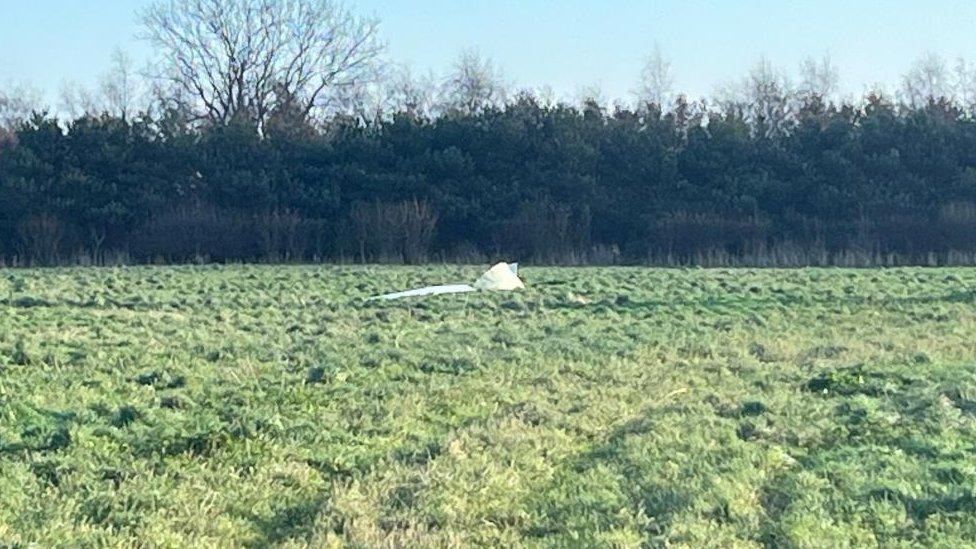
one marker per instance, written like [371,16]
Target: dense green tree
[550,182]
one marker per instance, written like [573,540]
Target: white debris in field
[501,277]
[429,290]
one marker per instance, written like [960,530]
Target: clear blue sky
[564,43]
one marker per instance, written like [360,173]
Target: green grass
[272,405]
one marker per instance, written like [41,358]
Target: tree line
[273,131]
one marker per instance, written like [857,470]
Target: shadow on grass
[290,523]
[658,501]
[47,435]
[29,302]
[920,509]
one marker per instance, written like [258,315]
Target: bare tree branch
[765,98]
[656,82]
[926,80]
[249,58]
[17,102]
[819,78]
[119,87]
[475,84]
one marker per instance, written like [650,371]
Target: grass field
[214,406]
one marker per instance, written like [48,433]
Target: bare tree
[75,100]
[246,58]
[771,97]
[818,78]
[119,86]
[926,80]
[964,83]
[412,94]
[363,102]
[546,96]
[17,102]
[656,82]
[474,84]
[765,97]
[397,90]
[591,96]
[394,231]
[117,92]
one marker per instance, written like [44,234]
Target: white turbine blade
[429,290]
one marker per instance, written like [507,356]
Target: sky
[565,44]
